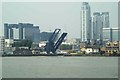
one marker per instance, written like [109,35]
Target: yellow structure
[113,48]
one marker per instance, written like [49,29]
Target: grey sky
[51,15]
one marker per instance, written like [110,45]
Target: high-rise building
[105,19]
[85,22]
[97,27]
[20,31]
[44,36]
[2,45]
[6,31]
[111,34]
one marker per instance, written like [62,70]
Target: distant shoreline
[65,55]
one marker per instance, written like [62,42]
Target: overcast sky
[51,15]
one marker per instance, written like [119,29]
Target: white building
[2,45]
[15,33]
[42,44]
[91,50]
[97,26]
[9,42]
[85,22]
[105,19]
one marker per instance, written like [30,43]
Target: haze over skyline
[51,15]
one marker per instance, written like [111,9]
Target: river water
[59,67]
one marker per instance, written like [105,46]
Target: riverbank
[66,55]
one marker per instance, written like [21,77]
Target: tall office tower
[21,31]
[6,31]
[105,19]
[2,45]
[97,27]
[85,22]
[20,25]
[11,33]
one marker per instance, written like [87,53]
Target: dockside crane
[54,42]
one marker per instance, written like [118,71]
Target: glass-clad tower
[105,19]
[85,22]
[97,26]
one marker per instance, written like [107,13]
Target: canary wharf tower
[85,22]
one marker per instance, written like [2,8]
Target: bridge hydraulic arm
[53,44]
[50,44]
[57,44]
[54,35]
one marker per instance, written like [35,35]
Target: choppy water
[59,67]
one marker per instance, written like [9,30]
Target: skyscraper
[97,27]
[85,22]
[105,19]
